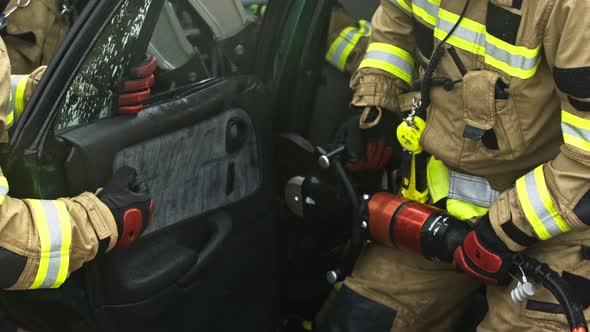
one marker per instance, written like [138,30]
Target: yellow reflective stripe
[512,71]
[405,55]
[575,120]
[391,59]
[538,205]
[341,47]
[548,201]
[54,227]
[366,28]
[576,131]
[403,5]
[4,188]
[45,241]
[513,49]
[66,227]
[20,96]
[471,36]
[10,119]
[423,14]
[576,142]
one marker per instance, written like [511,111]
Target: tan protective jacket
[34,33]
[527,88]
[43,241]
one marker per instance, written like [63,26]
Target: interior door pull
[220,226]
[236,134]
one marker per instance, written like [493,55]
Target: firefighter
[43,241]
[347,40]
[34,32]
[497,95]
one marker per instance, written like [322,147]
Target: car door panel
[209,259]
[190,171]
[204,156]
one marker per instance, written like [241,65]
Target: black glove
[371,148]
[130,202]
[483,254]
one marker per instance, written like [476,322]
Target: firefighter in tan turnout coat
[43,241]
[507,125]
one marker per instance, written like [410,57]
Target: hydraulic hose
[356,242]
[560,289]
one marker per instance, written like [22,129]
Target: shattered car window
[196,40]
[92,94]
[192,41]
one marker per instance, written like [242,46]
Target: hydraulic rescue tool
[392,220]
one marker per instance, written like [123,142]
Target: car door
[203,143]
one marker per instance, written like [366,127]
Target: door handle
[220,226]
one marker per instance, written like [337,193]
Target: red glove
[483,255]
[136,89]
[372,148]
[130,202]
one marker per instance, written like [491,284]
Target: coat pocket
[491,126]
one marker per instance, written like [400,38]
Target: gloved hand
[136,88]
[483,254]
[130,202]
[371,147]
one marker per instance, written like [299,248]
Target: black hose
[560,289]
[434,62]
[353,251]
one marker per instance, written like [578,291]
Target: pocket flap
[479,98]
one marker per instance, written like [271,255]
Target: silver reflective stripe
[397,3]
[537,203]
[462,32]
[471,189]
[391,59]
[347,40]
[577,132]
[514,60]
[55,236]
[480,38]
[3,190]
[430,8]
[367,28]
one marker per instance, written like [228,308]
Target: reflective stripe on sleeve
[538,205]
[391,59]
[18,85]
[576,131]
[401,4]
[341,48]
[3,189]
[55,235]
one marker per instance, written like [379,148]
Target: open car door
[203,144]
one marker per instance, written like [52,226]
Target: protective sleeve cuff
[510,224]
[101,218]
[373,89]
